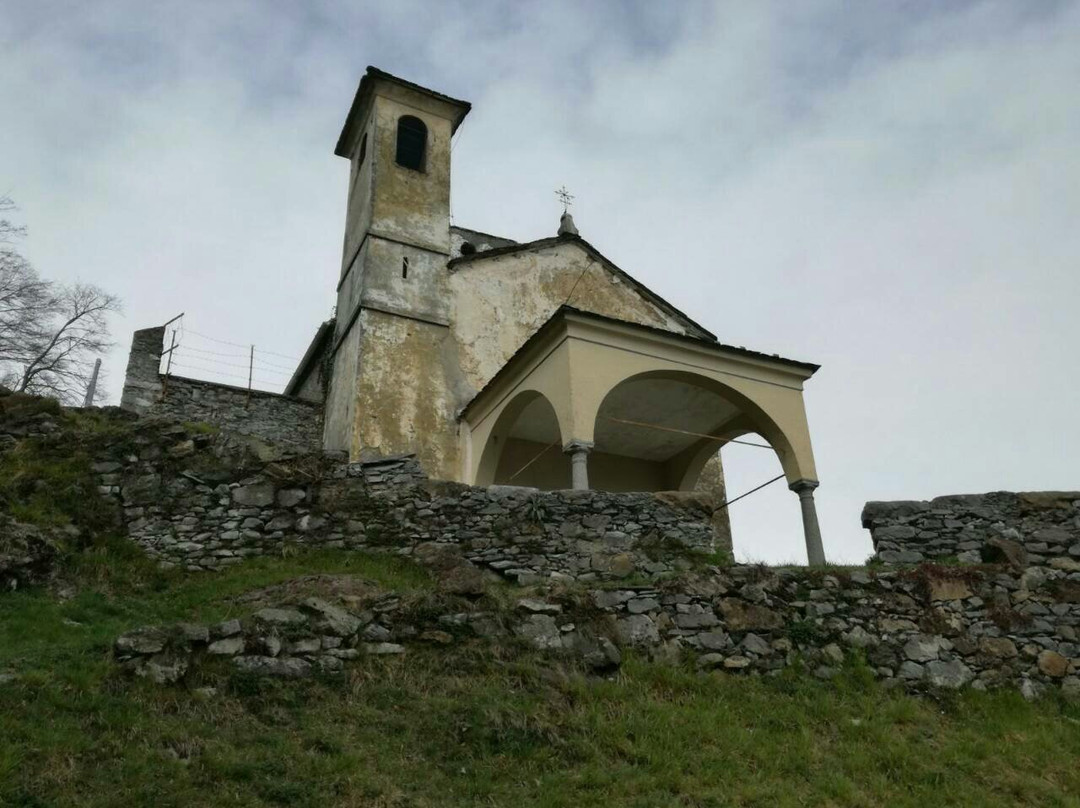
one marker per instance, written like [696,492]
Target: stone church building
[536,364]
[540,364]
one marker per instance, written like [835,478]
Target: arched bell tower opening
[411,146]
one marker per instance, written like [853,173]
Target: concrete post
[815,550]
[579,460]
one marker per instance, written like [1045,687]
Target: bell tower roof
[452,108]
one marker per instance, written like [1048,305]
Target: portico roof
[551,325]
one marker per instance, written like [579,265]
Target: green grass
[118,589]
[475,725]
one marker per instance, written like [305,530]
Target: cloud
[887,189]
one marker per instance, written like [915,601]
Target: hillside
[455,717]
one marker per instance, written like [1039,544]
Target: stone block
[229,646]
[637,630]
[923,648]
[289,497]
[257,495]
[281,667]
[950,675]
[1053,664]
[741,616]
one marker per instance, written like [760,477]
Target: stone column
[579,460]
[142,382]
[815,551]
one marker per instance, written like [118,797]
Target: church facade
[538,364]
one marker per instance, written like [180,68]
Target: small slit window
[411,142]
[363,151]
[405,267]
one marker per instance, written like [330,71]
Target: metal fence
[195,355]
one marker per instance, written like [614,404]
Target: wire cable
[685,432]
[748,493]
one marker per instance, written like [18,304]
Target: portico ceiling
[666,403]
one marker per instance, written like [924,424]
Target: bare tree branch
[50,334]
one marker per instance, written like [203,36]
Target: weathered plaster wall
[551,470]
[403,403]
[1033,528]
[359,206]
[412,206]
[535,464]
[491,312]
[341,397]
[312,388]
[498,303]
[418,289]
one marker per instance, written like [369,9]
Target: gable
[499,302]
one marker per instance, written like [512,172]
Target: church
[536,364]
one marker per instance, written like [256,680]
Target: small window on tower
[411,142]
[363,151]
[405,267]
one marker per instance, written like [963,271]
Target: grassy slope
[475,727]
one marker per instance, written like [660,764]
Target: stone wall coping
[235,389]
[877,509]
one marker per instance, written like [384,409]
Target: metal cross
[565,197]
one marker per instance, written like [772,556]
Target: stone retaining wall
[1034,528]
[944,627]
[284,420]
[186,517]
[985,627]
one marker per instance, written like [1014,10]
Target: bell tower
[397,139]
[397,241]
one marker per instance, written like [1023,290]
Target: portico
[595,402]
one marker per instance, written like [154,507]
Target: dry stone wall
[1030,529]
[184,516]
[945,627]
[935,627]
[614,571]
[283,420]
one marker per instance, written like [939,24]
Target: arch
[411,143]
[745,416]
[513,447]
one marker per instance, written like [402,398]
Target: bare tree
[24,298]
[50,334]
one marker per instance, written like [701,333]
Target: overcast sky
[889,189]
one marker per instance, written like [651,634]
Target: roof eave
[367,82]
[560,315]
[303,369]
